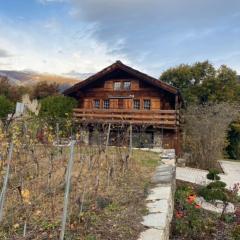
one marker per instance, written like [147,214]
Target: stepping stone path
[160,200]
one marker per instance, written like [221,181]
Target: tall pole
[4,189]
[130,140]
[67,189]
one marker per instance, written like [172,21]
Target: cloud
[45,2]
[4,53]
[138,11]
[141,17]
[161,29]
[45,48]
[151,35]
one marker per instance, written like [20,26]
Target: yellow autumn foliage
[26,196]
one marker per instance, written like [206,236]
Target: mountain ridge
[30,77]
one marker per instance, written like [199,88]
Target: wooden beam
[125,111]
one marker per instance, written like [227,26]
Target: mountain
[78,75]
[30,77]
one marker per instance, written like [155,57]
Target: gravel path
[230,177]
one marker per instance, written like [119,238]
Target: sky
[84,36]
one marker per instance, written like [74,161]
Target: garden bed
[190,221]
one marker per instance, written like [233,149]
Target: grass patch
[146,158]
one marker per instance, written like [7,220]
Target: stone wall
[160,201]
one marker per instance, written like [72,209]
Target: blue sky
[63,36]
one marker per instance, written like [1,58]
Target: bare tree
[205,131]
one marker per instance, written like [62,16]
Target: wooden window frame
[94,103]
[117,89]
[122,86]
[108,105]
[139,101]
[150,104]
[129,87]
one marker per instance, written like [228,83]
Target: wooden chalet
[120,95]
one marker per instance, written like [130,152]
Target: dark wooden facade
[122,95]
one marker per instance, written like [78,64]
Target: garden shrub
[213,174]
[190,218]
[212,194]
[6,107]
[56,107]
[216,184]
[214,190]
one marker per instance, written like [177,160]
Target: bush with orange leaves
[190,220]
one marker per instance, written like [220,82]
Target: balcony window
[147,104]
[106,104]
[96,103]
[127,85]
[117,86]
[136,104]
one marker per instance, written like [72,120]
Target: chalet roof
[119,65]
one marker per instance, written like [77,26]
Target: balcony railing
[166,118]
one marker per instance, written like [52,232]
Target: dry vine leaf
[26,196]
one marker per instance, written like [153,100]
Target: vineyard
[55,186]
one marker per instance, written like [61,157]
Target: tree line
[212,99]
[53,103]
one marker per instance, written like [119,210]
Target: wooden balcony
[164,118]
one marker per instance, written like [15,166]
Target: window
[136,104]
[106,104]
[127,85]
[147,104]
[117,86]
[96,103]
